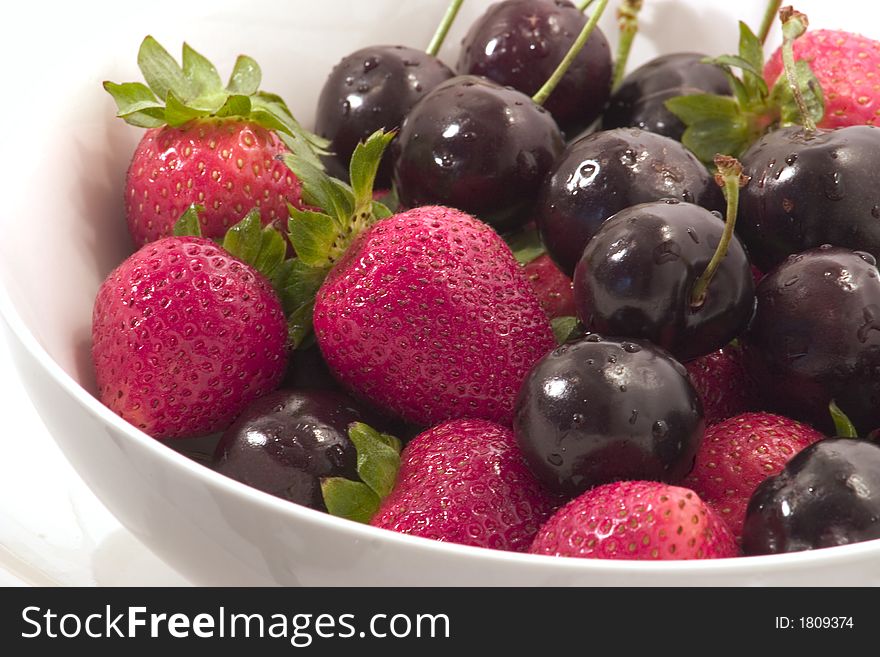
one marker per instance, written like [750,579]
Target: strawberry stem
[443,28]
[730,178]
[628,21]
[769,17]
[843,426]
[544,92]
[794,24]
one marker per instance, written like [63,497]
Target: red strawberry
[226,165]
[219,147]
[184,335]
[741,452]
[465,482]
[552,287]
[636,520]
[847,66]
[722,383]
[429,315]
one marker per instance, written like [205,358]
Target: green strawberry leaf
[200,74]
[353,500]
[782,96]
[313,235]
[245,78]
[161,71]
[188,225]
[364,165]
[715,124]
[733,61]
[332,196]
[137,104]
[565,328]
[298,283]
[751,50]
[299,325]
[526,245]
[378,457]
[844,428]
[262,247]
[180,93]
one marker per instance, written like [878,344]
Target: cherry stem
[443,28]
[583,6]
[628,21]
[544,92]
[769,17]
[730,178]
[794,24]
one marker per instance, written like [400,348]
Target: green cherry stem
[583,6]
[628,21]
[794,24]
[769,17]
[729,177]
[443,28]
[544,92]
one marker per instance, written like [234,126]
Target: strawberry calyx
[730,124]
[175,94]
[378,461]
[843,426]
[321,235]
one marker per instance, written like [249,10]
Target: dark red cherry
[286,442]
[474,145]
[811,189]
[636,279]
[639,102]
[519,43]
[827,495]
[605,172]
[815,337]
[372,88]
[596,411]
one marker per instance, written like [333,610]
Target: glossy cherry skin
[636,279]
[596,410]
[287,441]
[605,172]
[806,191]
[519,43]
[474,145]
[827,495]
[372,88]
[639,102]
[815,337]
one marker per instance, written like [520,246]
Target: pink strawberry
[741,452]
[636,520]
[465,482]
[721,381]
[184,335]
[219,147]
[847,66]
[552,287]
[429,315]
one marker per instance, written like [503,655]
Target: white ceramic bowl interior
[62,169]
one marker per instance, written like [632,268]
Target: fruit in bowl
[421,312]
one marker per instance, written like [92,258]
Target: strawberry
[208,144]
[846,66]
[721,381]
[636,520]
[552,287]
[738,454]
[184,335]
[465,481]
[425,313]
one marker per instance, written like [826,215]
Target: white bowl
[61,178]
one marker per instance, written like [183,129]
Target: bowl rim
[361,532]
